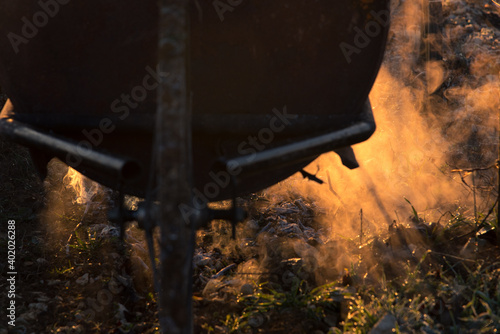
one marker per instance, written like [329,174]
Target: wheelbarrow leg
[174,172]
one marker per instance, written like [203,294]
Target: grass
[458,297]
[312,304]
[87,242]
[442,291]
[63,270]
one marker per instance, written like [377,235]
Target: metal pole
[115,168]
[174,171]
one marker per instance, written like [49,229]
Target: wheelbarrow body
[272,85]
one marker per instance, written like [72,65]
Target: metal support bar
[277,157]
[116,168]
[234,214]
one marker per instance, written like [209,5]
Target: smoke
[436,105]
[433,114]
[73,203]
[84,188]
[76,214]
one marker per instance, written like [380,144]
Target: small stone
[109,232]
[212,287]
[385,325]
[43,298]
[38,307]
[246,289]
[125,281]
[97,228]
[29,316]
[51,282]
[84,279]
[121,312]
[256,320]
[201,260]
[252,225]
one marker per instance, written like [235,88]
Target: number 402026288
[11,244]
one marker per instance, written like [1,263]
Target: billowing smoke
[434,115]
[436,102]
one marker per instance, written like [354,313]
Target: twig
[263,273]
[73,232]
[489,213]
[223,271]
[77,227]
[473,169]
[71,236]
[439,220]
[361,227]
[331,188]
[452,256]
[397,216]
